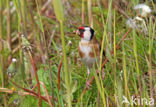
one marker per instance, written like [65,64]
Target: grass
[129,69]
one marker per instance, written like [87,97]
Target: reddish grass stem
[58,74]
[30,91]
[48,97]
[38,83]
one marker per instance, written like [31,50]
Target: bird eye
[81,30]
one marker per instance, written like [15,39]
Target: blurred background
[36,34]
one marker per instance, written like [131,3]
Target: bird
[89,48]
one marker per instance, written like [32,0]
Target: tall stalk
[8,24]
[114,65]
[90,17]
[83,12]
[102,45]
[1,74]
[124,71]
[135,52]
[42,37]
[136,61]
[99,81]
[67,74]
[1,58]
[110,24]
[150,58]
[59,12]
[2,64]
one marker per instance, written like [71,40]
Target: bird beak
[76,32]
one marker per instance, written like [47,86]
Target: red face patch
[82,28]
[81,35]
[81,31]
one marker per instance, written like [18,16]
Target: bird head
[85,32]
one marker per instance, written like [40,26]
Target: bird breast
[84,50]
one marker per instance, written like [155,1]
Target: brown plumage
[95,48]
[89,52]
[89,48]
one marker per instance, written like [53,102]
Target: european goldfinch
[89,47]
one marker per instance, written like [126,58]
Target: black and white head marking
[86,33]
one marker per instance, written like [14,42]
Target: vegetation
[39,61]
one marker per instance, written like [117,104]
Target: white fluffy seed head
[144,9]
[131,23]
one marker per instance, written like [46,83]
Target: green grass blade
[58,8]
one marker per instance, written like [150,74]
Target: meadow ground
[40,64]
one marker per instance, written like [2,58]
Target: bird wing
[96,46]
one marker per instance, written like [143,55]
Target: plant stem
[2,65]
[67,74]
[30,91]
[90,17]
[38,83]
[136,61]
[83,14]
[150,57]
[8,24]
[58,74]
[114,67]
